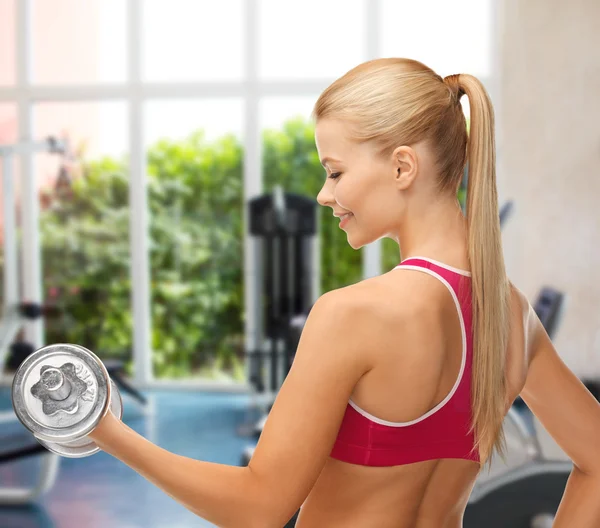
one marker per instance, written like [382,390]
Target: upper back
[423,330]
[419,354]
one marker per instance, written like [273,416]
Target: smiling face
[374,190]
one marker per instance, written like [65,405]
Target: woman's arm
[332,355]
[571,415]
[224,495]
[579,504]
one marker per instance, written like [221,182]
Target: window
[8,135]
[310,39]
[8,57]
[180,38]
[195,196]
[167,157]
[450,37]
[76,42]
[84,223]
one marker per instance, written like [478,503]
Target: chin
[358,244]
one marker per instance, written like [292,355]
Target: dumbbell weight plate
[69,419]
[85,446]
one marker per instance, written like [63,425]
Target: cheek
[352,191]
[344,195]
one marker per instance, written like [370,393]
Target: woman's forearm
[225,495]
[580,505]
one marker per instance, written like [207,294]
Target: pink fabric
[443,434]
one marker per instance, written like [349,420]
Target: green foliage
[196,205]
[195,198]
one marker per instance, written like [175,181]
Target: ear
[406,166]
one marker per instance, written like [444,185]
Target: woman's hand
[105,430]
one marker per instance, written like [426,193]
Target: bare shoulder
[379,298]
[386,304]
[522,309]
[400,292]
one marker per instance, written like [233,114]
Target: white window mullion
[252,176]
[372,252]
[171,90]
[31,251]
[138,205]
[9,93]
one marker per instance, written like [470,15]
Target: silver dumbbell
[60,393]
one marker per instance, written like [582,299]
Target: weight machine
[16,313]
[283,228]
[14,316]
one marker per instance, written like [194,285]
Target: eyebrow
[326,159]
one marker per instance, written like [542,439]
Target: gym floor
[100,491]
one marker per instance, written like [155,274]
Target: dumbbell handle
[58,387]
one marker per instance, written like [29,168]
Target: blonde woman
[400,384]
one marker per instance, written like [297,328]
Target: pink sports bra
[441,432]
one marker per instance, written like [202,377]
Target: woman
[400,383]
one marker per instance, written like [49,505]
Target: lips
[345,219]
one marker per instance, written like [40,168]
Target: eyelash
[335,175]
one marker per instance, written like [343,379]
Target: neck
[439,232]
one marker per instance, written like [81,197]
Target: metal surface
[85,446]
[542,520]
[41,410]
[530,469]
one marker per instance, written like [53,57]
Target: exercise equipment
[548,306]
[18,312]
[116,371]
[22,310]
[282,230]
[60,393]
[26,446]
[505,211]
[284,226]
[17,351]
[31,310]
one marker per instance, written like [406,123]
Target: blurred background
[174,117]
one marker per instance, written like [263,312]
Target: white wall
[549,144]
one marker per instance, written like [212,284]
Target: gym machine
[283,229]
[16,314]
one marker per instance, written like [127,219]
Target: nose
[324,197]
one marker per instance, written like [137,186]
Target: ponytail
[490,284]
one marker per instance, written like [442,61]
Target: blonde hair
[394,101]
